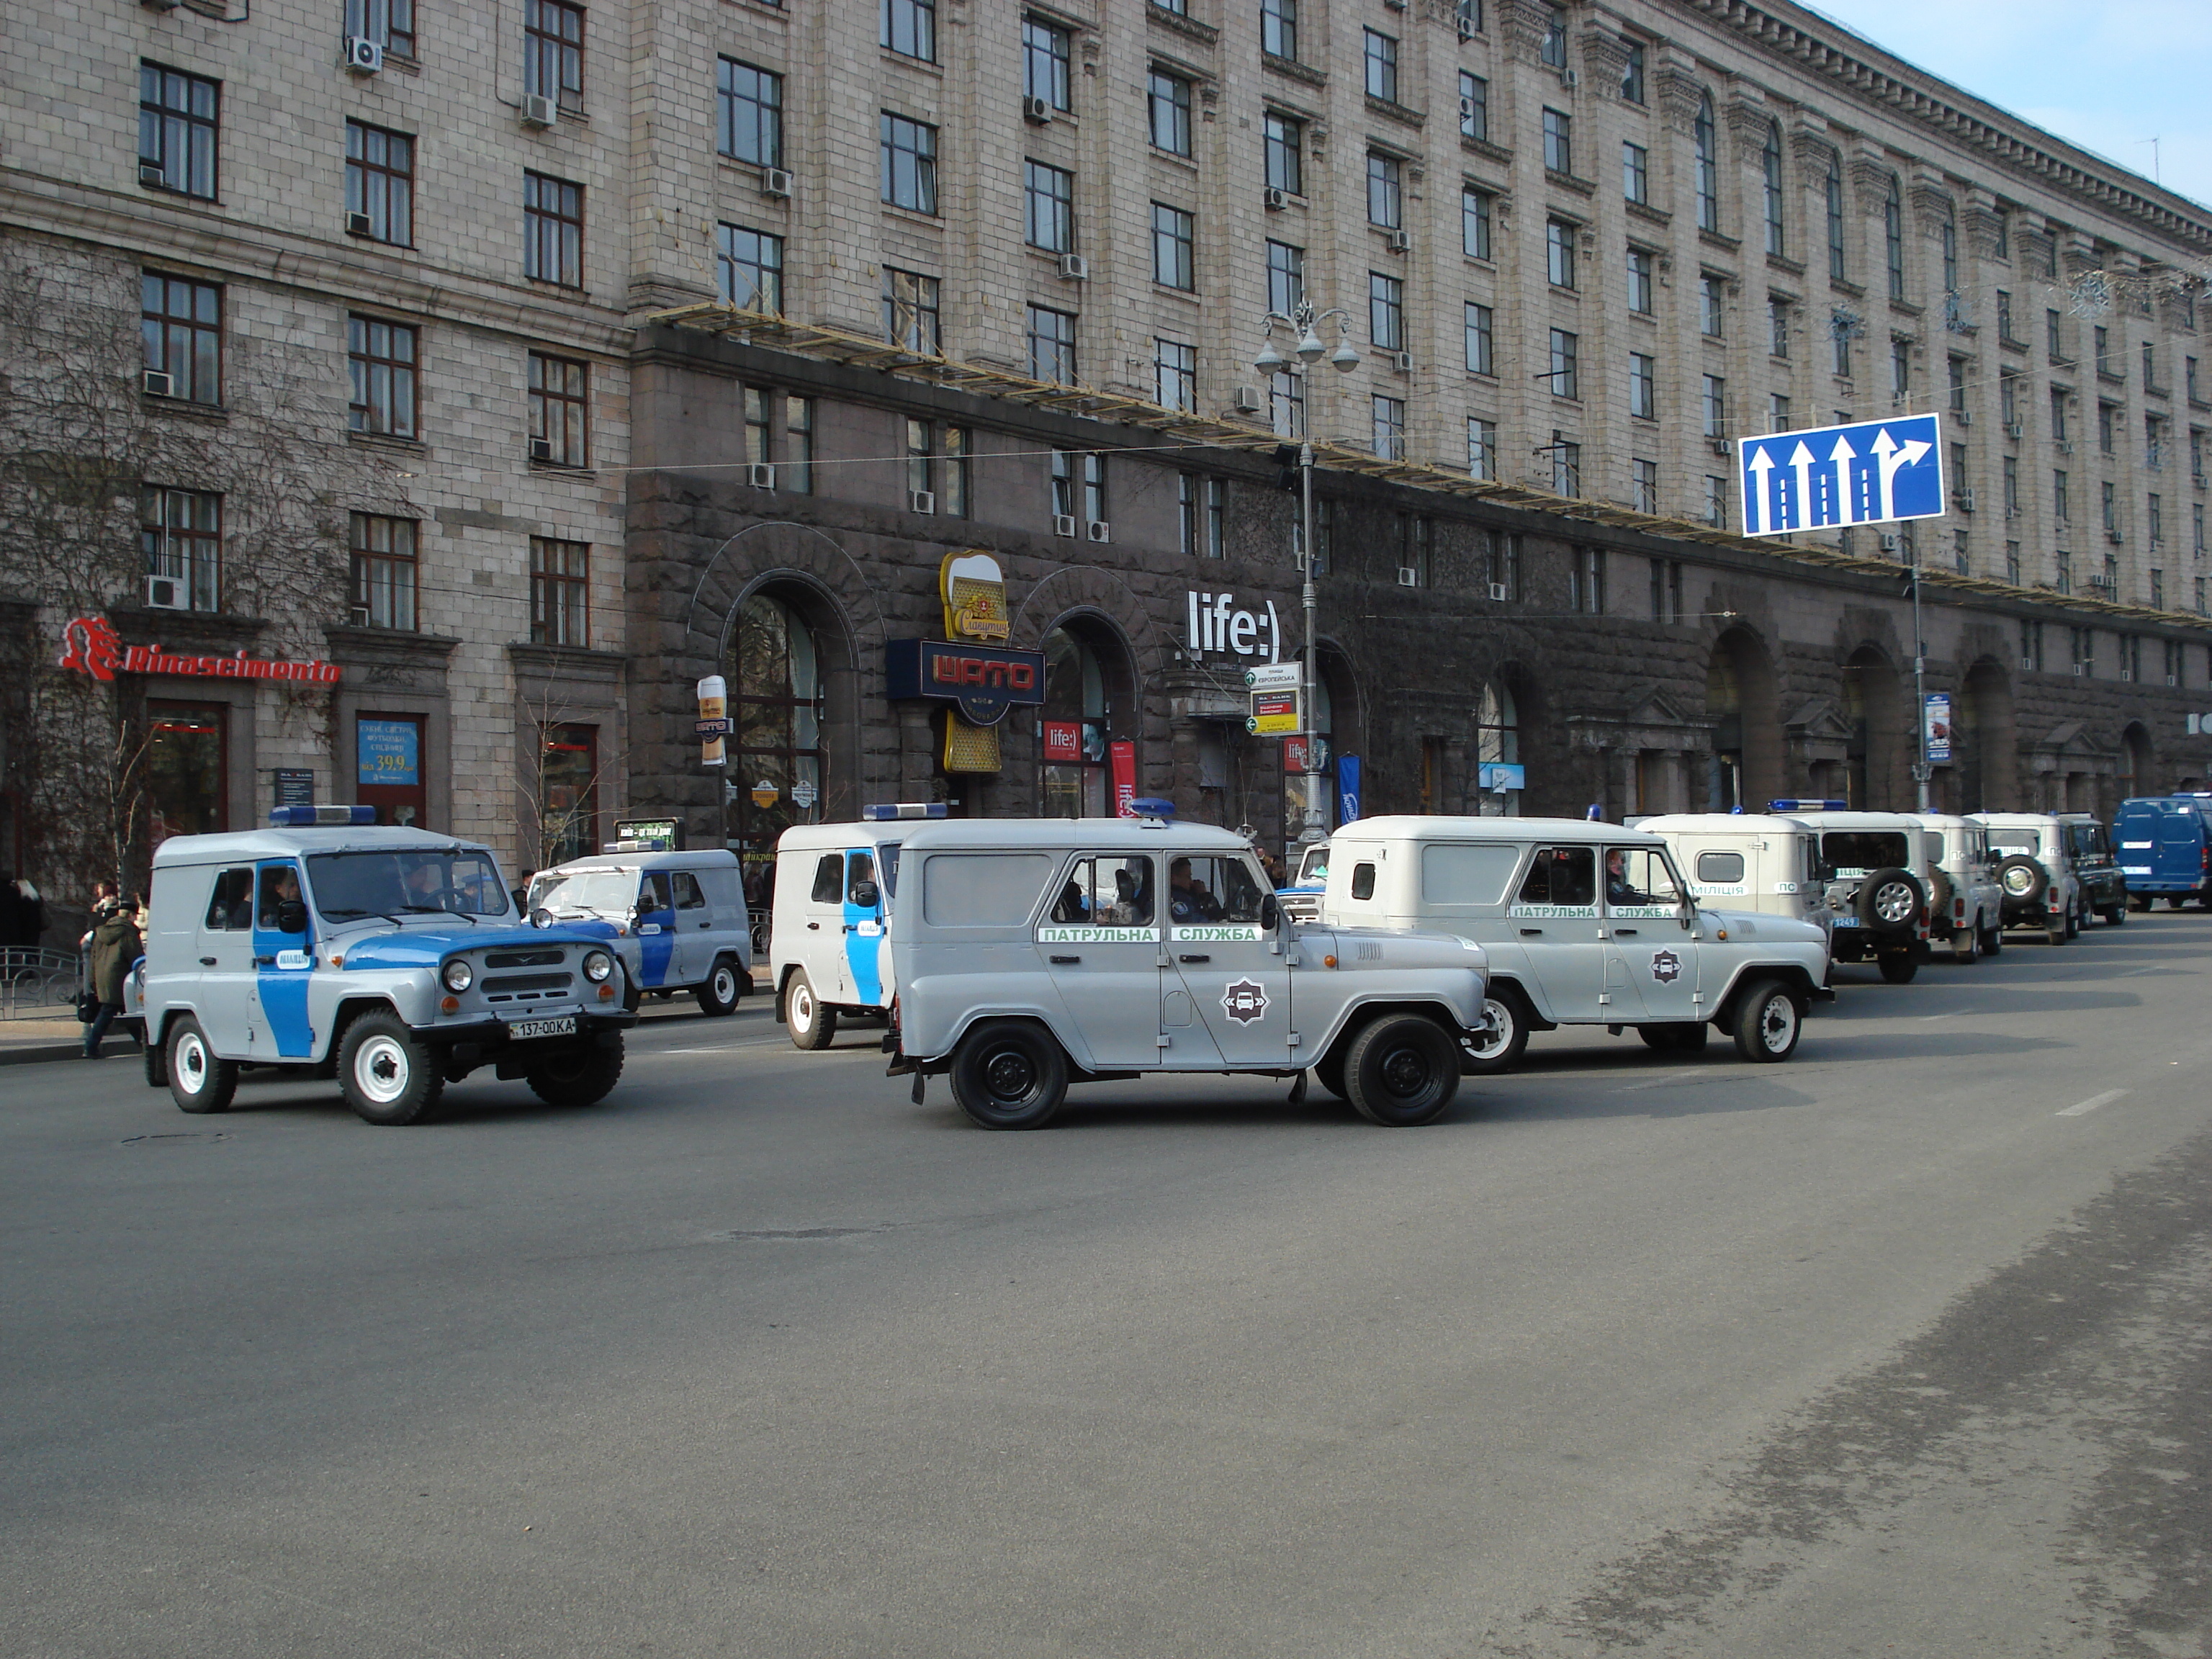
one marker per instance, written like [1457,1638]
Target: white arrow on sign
[1843,455]
[1760,466]
[1890,456]
[1801,461]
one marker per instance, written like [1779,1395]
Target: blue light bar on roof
[307,818]
[1153,806]
[1807,805]
[884,812]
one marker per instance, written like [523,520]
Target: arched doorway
[1088,702]
[777,755]
[1496,741]
[1874,752]
[1989,744]
[1746,769]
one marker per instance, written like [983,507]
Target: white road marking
[2081,1107]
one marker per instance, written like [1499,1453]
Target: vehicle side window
[1561,875]
[1933,840]
[280,882]
[230,905]
[1720,866]
[1213,889]
[688,896]
[1363,881]
[829,879]
[981,890]
[859,867]
[653,893]
[1638,882]
[1105,892]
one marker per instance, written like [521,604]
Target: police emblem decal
[1666,967]
[1244,1001]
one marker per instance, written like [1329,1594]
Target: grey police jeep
[392,960]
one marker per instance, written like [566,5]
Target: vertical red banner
[1123,756]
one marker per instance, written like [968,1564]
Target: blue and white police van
[392,960]
[830,919]
[677,918]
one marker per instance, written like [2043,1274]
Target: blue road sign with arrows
[1873,472]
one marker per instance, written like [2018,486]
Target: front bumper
[489,1033]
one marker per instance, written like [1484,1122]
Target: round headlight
[459,976]
[598,964]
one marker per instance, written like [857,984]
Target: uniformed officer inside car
[1618,888]
[1188,899]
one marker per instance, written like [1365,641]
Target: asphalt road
[1898,1349]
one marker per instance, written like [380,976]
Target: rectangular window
[1044,64]
[1559,253]
[1285,141]
[1174,367]
[759,432]
[1473,106]
[1635,172]
[1956,368]
[1170,103]
[1287,404]
[910,314]
[1644,483]
[1643,385]
[1188,509]
[1717,502]
[2196,528]
[553,52]
[1586,581]
[1390,426]
[1063,484]
[908,27]
[1286,278]
[2106,413]
[1474,223]
[1278,28]
[751,102]
[2196,452]
[1840,341]
[749,269]
[1386,311]
[1711,312]
[1834,192]
[2058,414]
[389,23]
[2154,520]
[180,535]
[1417,548]
[1714,403]
[2110,497]
[1665,590]
[1216,541]
[552,230]
[2061,498]
[1778,328]
[2103,344]
[2012,486]
[1959,561]
[2189,379]
[1049,193]
[177,117]
[1566,469]
[560,411]
[795,470]
[937,464]
[2030,647]
[379,183]
[2012,563]
[909,163]
[2065,582]
[2158,590]
[1777,420]
[1641,286]
[1386,191]
[382,357]
[1632,77]
[1480,340]
[1552,51]
[1901,369]
[2004,317]
[384,571]
[2053,337]
[1094,488]
[1558,141]
[560,592]
[2154,443]
[181,322]
[1565,382]
[1175,234]
[2009,396]
[1380,53]
[1052,346]
[1481,449]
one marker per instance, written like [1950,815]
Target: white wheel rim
[380,1068]
[1777,1024]
[802,1008]
[1501,1029]
[191,1062]
[725,985]
[1894,902]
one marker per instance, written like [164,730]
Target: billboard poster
[1123,756]
[1347,788]
[1063,740]
[1938,716]
[389,753]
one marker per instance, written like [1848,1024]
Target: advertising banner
[713,725]
[389,753]
[1122,757]
[1939,727]
[1347,788]
[1063,740]
[1274,714]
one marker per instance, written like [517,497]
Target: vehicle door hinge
[1164,1041]
[1292,1041]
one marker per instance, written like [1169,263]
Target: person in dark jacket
[115,945]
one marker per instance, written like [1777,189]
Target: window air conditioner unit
[761,475]
[775,182]
[1063,524]
[1466,28]
[167,593]
[1569,79]
[1247,400]
[1720,446]
[1074,267]
[1277,200]
[2082,668]
[541,449]
[149,173]
[1401,241]
[1403,362]
[362,55]
[1888,544]
[921,500]
[1965,500]
[1099,530]
[1038,110]
[359,224]
[2100,581]
[538,110]
[1963,416]
[2027,665]
[2064,447]
[1497,593]
[2016,431]
[2116,539]
[1408,577]
[2173,680]
[157,383]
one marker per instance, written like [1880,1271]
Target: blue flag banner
[1347,788]
[1873,472]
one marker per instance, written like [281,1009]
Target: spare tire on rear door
[2024,880]
[1889,903]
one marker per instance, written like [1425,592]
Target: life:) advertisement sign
[91,646]
[1215,623]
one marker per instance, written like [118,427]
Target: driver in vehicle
[426,886]
[1619,890]
[1188,898]
[278,887]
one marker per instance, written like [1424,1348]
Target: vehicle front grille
[548,958]
[527,988]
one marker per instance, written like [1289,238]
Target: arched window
[1769,168]
[1496,741]
[1893,233]
[776,705]
[1835,218]
[1076,712]
[1708,171]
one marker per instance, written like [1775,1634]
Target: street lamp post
[1301,320]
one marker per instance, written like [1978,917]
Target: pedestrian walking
[115,945]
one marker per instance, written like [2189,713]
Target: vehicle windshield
[585,892]
[458,881]
[2013,841]
[1312,868]
[887,870]
[1861,851]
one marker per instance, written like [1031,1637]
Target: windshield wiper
[437,910]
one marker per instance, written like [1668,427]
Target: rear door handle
[207,962]
[1624,932]
[264,962]
[813,926]
[1194,958]
[1063,962]
[1531,932]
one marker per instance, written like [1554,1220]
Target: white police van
[390,959]
[676,919]
[830,919]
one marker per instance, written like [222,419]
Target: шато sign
[90,646]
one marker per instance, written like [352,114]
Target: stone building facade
[562,357]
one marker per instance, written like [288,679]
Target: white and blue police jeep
[390,959]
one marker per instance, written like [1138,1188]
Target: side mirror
[1271,914]
[864,895]
[291,917]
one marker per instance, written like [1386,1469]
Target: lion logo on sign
[90,646]
[1666,967]
[1244,1001]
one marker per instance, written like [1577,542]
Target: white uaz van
[1878,878]
[676,919]
[830,928]
[1966,906]
[1748,861]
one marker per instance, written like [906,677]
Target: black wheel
[578,1077]
[718,991]
[1329,1074]
[198,1082]
[1687,1037]
[811,1025]
[2139,905]
[2024,881]
[1898,967]
[1768,1019]
[2116,915]
[387,1078]
[1888,901]
[1009,1075]
[1403,1070]
[1506,1037]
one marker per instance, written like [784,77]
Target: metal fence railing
[35,981]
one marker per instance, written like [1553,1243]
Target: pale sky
[2106,74]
